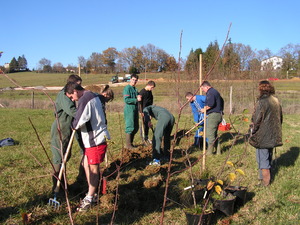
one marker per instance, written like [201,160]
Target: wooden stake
[32,100]
[230,102]
[200,73]
[204,141]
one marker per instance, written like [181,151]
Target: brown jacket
[267,121]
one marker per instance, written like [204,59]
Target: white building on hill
[273,63]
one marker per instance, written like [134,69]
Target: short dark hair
[151,83]
[189,94]
[74,78]
[134,75]
[71,86]
[205,84]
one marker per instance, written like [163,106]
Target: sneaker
[84,205]
[155,162]
[95,198]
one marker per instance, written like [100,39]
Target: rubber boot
[55,175]
[209,150]
[266,177]
[81,182]
[128,144]
[54,180]
[131,140]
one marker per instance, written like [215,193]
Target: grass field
[25,170]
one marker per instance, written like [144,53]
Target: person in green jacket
[65,110]
[131,114]
[164,126]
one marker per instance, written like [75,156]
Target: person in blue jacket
[197,102]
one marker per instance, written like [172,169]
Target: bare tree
[149,57]
[133,57]
[45,65]
[264,54]
[171,64]
[246,54]
[58,68]
[95,62]
[109,57]
[291,55]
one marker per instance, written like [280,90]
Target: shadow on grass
[6,212]
[136,199]
[227,136]
[286,159]
[33,205]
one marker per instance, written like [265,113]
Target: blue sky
[62,30]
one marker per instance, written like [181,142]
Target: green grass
[26,185]
[25,181]
[166,92]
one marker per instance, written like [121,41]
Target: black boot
[55,176]
[80,184]
[131,140]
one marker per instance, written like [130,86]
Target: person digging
[91,121]
[163,129]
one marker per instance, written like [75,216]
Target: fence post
[230,101]
[32,100]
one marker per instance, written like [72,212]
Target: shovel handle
[196,125]
[64,162]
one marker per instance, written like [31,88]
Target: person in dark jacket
[146,100]
[266,129]
[214,106]
[61,129]
[164,126]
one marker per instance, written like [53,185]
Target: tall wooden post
[200,72]
[204,128]
[230,100]
[32,100]
[79,70]
[204,141]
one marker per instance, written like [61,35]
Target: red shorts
[95,155]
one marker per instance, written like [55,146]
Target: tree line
[148,58]
[16,65]
[237,61]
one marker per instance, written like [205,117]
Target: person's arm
[83,114]
[127,96]
[205,107]
[210,99]
[195,113]
[142,100]
[66,104]
[147,116]
[257,117]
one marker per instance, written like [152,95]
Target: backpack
[7,142]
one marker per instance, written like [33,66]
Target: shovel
[53,202]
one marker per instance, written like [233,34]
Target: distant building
[273,63]
[6,65]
